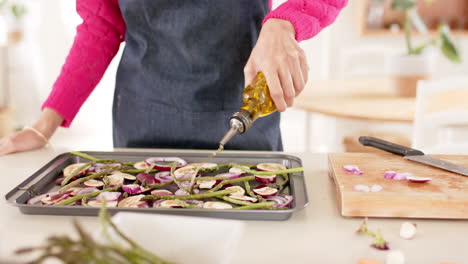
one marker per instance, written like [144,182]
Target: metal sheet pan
[43,181]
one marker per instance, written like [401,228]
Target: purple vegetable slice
[98,203]
[353,169]
[132,188]
[146,178]
[70,168]
[417,179]
[167,160]
[87,190]
[216,205]
[402,176]
[239,170]
[181,192]
[206,184]
[238,190]
[389,174]
[243,198]
[126,176]
[161,192]
[270,166]
[115,179]
[142,165]
[132,201]
[109,196]
[265,178]
[229,175]
[265,191]
[162,176]
[93,183]
[281,200]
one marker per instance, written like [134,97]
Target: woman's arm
[97,41]
[308,17]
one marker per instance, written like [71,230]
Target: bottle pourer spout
[236,128]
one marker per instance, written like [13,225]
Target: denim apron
[181,75]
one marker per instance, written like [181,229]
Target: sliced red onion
[270,167]
[59,195]
[87,190]
[238,190]
[417,179]
[353,169]
[185,172]
[161,192]
[281,200]
[240,171]
[181,192]
[196,191]
[93,183]
[265,178]
[132,201]
[376,188]
[71,168]
[146,178]
[229,175]
[243,198]
[168,204]
[37,199]
[185,184]
[157,203]
[127,176]
[265,191]
[162,176]
[60,180]
[63,197]
[401,176]
[100,167]
[361,188]
[131,188]
[155,160]
[109,196]
[143,205]
[206,184]
[389,174]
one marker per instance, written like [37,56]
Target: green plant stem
[235,201]
[248,190]
[188,197]
[174,178]
[255,172]
[267,205]
[135,171]
[237,180]
[81,180]
[76,171]
[86,195]
[83,155]
[407,28]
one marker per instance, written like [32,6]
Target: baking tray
[43,181]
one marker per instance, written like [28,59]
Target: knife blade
[413,154]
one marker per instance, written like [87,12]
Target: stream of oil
[221,148]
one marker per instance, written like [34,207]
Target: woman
[183,69]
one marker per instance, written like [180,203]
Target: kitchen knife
[412,154]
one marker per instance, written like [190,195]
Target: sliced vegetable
[401,176]
[216,205]
[109,196]
[206,184]
[115,179]
[167,160]
[37,199]
[55,197]
[239,171]
[93,183]
[87,190]
[270,166]
[185,172]
[181,192]
[161,192]
[131,188]
[146,178]
[265,191]
[389,174]
[361,188]
[195,202]
[98,203]
[162,176]
[417,179]
[407,230]
[100,167]
[265,178]
[75,190]
[126,176]
[281,200]
[353,169]
[141,165]
[169,204]
[376,188]
[132,201]
[70,168]
[243,198]
[229,175]
[239,190]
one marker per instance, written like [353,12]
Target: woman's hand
[278,55]
[34,137]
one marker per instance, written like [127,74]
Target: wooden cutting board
[444,197]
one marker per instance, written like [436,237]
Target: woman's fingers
[276,90]
[287,85]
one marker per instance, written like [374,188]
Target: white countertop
[317,234]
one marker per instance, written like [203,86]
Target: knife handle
[389,147]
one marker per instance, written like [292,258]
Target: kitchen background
[354,48]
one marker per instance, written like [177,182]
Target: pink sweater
[99,36]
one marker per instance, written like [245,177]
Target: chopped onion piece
[376,188]
[132,201]
[389,174]
[407,230]
[353,169]
[132,188]
[109,196]
[238,190]
[361,188]
[216,205]
[141,165]
[87,190]
[163,176]
[402,176]
[146,178]
[282,200]
[265,178]
[93,183]
[417,179]
[270,166]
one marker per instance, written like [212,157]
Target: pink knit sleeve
[309,17]
[96,42]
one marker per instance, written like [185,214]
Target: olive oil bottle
[257,103]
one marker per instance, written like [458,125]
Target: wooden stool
[351,143]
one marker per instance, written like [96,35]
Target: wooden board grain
[444,197]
